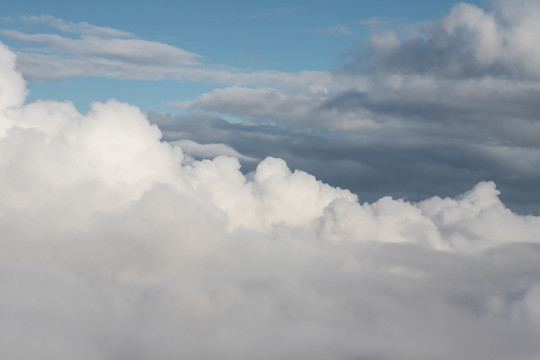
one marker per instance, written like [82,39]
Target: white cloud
[12,86]
[208,151]
[111,248]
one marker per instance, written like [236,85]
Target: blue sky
[253,35]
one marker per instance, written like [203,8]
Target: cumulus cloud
[208,151]
[467,42]
[113,247]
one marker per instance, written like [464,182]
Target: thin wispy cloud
[106,52]
[279,12]
[76,28]
[129,50]
[338,29]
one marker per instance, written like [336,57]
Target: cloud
[338,29]
[12,86]
[278,12]
[132,50]
[272,104]
[85,50]
[77,28]
[438,109]
[208,151]
[415,161]
[413,135]
[113,247]
[468,42]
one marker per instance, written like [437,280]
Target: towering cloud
[113,245]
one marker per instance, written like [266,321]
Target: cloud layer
[70,50]
[114,245]
[425,112]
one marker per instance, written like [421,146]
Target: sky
[284,36]
[354,92]
[256,180]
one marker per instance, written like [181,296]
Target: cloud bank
[113,245]
[413,114]
[424,112]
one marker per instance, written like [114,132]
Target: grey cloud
[414,163]
[285,108]
[135,50]
[433,113]
[468,42]
[500,112]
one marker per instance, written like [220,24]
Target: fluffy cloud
[415,159]
[112,246]
[207,151]
[468,42]
[12,86]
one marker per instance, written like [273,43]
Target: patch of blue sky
[146,94]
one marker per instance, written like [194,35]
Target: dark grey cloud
[403,163]
[432,112]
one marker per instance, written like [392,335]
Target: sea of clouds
[112,246]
